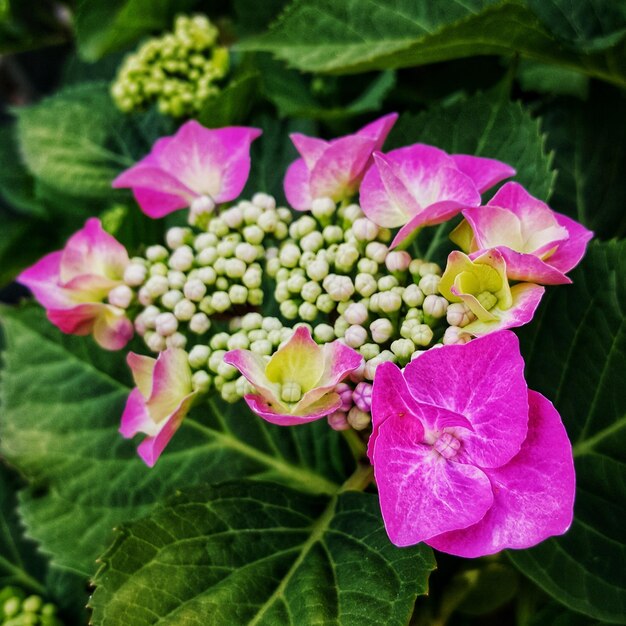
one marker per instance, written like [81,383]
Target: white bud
[156,253]
[201,381]
[459,314]
[226,248]
[255,297]
[246,252]
[289,255]
[157,286]
[268,221]
[170,299]
[307,311]
[422,335]
[352,213]
[220,301]
[121,296]
[144,297]
[390,302]
[403,348]
[199,356]
[356,313]
[202,205]
[325,303]
[253,234]
[455,335]
[324,333]
[364,229]
[386,283]
[235,268]
[238,294]
[358,419]
[312,242]
[158,269]
[204,240]
[347,255]
[207,256]
[332,234]
[194,289]
[365,284]
[429,268]
[252,278]
[182,259]
[381,330]
[310,291]
[413,296]
[289,309]
[166,324]
[199,323]
[226,371]
[367,266]
[341,326]
[264,200]
[135,274]
[398,261]
[355,336]
[176,340]
[177,236]
[369,350]
[238,341]
[217,357]
[155,342]
[435,306]
[184,310]
[376,251]
[207,275]
[429,284]
[233,217]
[323,207]
[317,270]
[252,321]
[339,288]
[262,347]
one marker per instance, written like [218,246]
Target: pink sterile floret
[72,284]
[333,169]
[420,185]
[159,403]
[465,457]
[195,164]
[538,244]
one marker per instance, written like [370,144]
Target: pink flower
[465,457]
[538,244]
[420,185]
[482,284]
[333,169]
[159,403]
[298,383]
[73,283]
[195,164]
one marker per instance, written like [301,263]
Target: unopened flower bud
[429,268]
[317,270]
[158,269]
[347,255]
[344,391]
[289,255]
[359,419]
[381,330]
[157,286]
[403,349]
[253,234]
[264,200]
[201,381]
[365,284]
[295,283]
[220,301]
[184,310]
[218,227]
[255,297]
[376,251]
[340,327]
[386,283]
[252,321]
[226,371]
[289,309]
[325,303]
[155,342]
[323,333]
[398,261]
[121,296]
[262,347]
[182,258]
[205,240]
[135,274]
[198,356]
[207,256]
[246,252]
[355,313]
[362,396]
[487,299]
[339,288]
[268,221]
[459,314]
[177,236]
[338,421]
[233,217]
[455,335]
[323,207]
[176,340]
[364,229]
[312,242]
[194,289]
[422,335]
[369,350]
[435,306]
[352,213]
[156,253]
[413,296]
[238,294]
[251,212]
[429,284]
[216,358]
[252,278]
[355,336]
[199,208]
[308,311]
[390,302]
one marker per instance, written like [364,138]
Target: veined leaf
[576,355]
[61,404]
[347,36]
[255,553]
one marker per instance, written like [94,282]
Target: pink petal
[529,268]
[485,173]
[483,380]
[77,320]
[420,492]
[378,129]
[296,185]
[526,298]
[571,251]
[158,204]
[42,279]
[324,406]
[310,148]
[154,178]
[112,330]
[339,170]
[142,368]
[135,418]
[252,367]
[533,493]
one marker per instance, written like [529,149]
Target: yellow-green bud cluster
[17,609]
[178,70]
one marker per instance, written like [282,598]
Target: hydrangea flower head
[482,284]
[73,283]
[159,403]
[196,164]
[421,185]
[465,457]
[538,244]
[297,384]
[333,169]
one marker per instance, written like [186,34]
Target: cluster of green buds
[178,70]
[330,269]
[176,293]
[17,609]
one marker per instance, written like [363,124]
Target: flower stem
[360,480]
[356,444]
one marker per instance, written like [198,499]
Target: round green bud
[253,234]
[289,309]
[252,278]
[365,285]
[307,311]
[422,335]
[341,326]
[325,303]
[262,347]
[386,283]
[367,266]
[207,256]
[219,341]
[403,349]
[201,381]
[310,291]
[156,253]
[229,392]
[332,234]
[268,221]
[429,268]
[429,284]
[323,333]
[255,297]
[381,330]
[289,255]
[238,294]
[296,283]
[171,298]
[281,292]
[369,350]
[318,270]
[198,356]
[312,242]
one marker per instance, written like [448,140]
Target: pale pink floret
[73,283]
[194,163]
[421,185]
[494,472]
[159,403]
[315,370]
[333,169]
[538,244]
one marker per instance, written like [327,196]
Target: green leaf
[585,24]
[483,125]
[62,399]
[589,141]
[347,36]
[575,353]
[76,141]
[551,80]
[232,105]
[104,26]
[256,553]
[18,557]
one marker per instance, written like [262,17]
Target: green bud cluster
[17,609]
[178,70]
[175,292]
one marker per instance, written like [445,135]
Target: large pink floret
[72,285]
[333,169]
[538,244]
[196,164]
[159,403]
[420,185]
[463,451]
